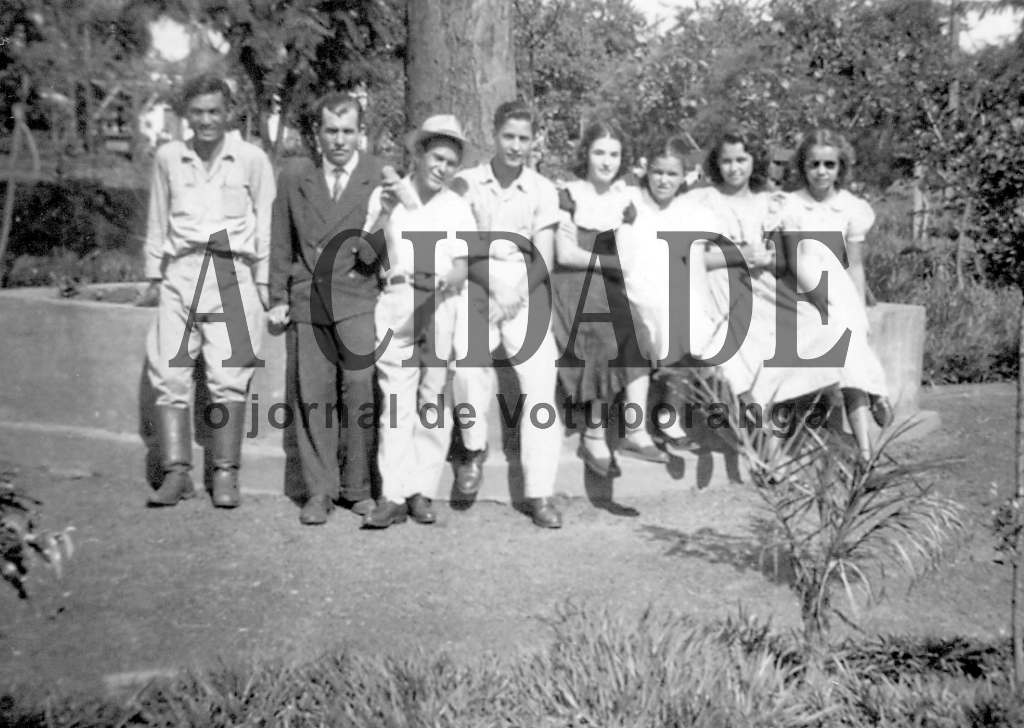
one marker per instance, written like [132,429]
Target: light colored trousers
[411,454]
[540,447]
[177,290]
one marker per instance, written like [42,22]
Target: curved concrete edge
[86,451]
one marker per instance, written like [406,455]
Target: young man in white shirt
[509,197]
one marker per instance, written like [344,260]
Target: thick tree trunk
[460,60]
[1017,593]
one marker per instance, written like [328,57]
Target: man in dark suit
[332,309]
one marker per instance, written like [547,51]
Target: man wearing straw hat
[415,423]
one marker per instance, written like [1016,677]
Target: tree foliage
[776,68]
[69,60]
[289,52]
[571,56]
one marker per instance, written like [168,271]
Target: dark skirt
[597,343]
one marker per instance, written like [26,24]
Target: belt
[204,250]
[397,280]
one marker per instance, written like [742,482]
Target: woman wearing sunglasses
[822,163]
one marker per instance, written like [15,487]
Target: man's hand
[151,296]
[278,315]
[424,281]
[263,291]
[505,300]
[757,257]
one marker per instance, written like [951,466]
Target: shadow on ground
[755,553]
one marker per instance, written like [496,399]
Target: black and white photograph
[526,363]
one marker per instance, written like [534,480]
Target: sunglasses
[827,164]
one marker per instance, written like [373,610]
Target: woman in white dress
[822,163]
[747,352]
[648,280]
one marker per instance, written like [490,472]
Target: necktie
[339,184]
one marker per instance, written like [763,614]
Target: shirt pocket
[186,199]
[235,198]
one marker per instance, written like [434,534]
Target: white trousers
[415,421]
[540,429]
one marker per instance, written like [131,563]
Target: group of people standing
[592,246]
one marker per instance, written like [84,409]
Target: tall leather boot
[175,436]
[227,457]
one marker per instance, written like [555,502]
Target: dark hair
[207,83]
[824,138]
[675,147]
[752,146]
[337,102]
[518,110]
[594,131]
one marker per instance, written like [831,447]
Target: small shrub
[111,266]
[21,541]
[67,270]
[841,522]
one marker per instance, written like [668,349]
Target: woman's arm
[855,254]
[569,254]
[753,258]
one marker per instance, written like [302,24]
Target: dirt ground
[190,586]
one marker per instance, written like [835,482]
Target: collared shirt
[188,203]
[346,172]
[444,212]
[525,207]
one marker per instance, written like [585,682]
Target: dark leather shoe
[545,514]
[881,410]
[362,507]
[176,486]
[316,510]
[421,509]
[469,474]
[651,453]
[386,514]
[604,467]
[677,446]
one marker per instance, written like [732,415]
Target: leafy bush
[21,541]
[971,332]
[76,216]
[62,268]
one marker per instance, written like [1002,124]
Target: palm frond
[843,521]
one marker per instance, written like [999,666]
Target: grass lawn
[474,601]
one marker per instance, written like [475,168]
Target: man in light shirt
[415,422]
[509,197]
[209,202]
[330,301]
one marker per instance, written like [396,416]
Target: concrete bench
[75,396]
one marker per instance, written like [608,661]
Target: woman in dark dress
[593,208]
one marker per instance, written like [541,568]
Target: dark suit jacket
[305,219]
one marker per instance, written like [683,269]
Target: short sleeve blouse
[844,212]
